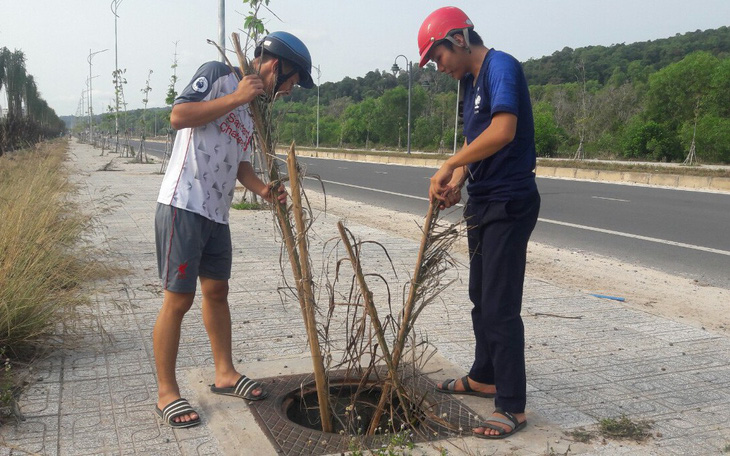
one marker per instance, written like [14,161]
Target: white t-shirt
[201,174]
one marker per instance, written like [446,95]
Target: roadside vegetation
[43,262]
[247,206]
[649,101]
[621,428]
[28,118]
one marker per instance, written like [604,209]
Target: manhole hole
[275,415]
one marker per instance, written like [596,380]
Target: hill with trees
[656,100]
[625,61]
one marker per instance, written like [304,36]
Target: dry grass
[42,263]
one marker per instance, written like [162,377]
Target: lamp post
[222,29]
[395,70]
[91,113]
[456,113]
[114,7]
[318,75]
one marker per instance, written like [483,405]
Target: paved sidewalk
[587,358]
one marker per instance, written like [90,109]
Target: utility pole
[91,113]
[456,113]
[114,7]
[222,29]
[318,75]
[395,69]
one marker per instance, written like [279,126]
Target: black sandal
[513,423]
[243,389]
[449,387]
[175,409]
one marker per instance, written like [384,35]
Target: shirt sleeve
[201,85]
[503,85]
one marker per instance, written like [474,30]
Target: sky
[345,37]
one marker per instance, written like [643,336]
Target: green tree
[650,140]
[548,135]
[712,141]
[677,90]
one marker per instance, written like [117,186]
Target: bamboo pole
[320,377]
[405,325]
[282,216]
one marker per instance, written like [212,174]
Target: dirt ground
[649,290]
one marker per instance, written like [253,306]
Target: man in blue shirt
[498,159]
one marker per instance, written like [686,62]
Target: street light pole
[91,113]
[114,7]
[410,70]
[318,75]
[456,113]
[222,29]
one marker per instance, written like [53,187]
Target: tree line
[653,101]
[645,101]
[27,118]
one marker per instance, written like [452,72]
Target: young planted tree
[170,100]
[142,155]
[583,118]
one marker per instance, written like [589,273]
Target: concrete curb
[720,184]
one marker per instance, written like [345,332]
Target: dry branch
[261,108]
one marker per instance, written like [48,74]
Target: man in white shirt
[212,150]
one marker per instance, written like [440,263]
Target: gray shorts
[190,246]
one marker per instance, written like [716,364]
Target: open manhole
[290,417]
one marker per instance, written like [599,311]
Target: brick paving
[587,358]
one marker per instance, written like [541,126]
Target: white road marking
[611,199]
[420,198]
[557,222]
[637,236]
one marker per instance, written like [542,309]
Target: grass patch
[624,428]
[246,206]
[396,444]
[581,435]
[43,262]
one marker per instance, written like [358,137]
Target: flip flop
[175,409]
[243,389]
[449,387]
[513,423]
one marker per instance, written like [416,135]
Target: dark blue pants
[498,235]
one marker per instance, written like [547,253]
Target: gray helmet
[291,48]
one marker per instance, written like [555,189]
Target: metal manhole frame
[289,438]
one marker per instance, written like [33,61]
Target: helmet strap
[281,78]
[465,45]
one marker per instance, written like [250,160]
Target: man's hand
[439,183]
[250,87]
[452,197]
[268,194]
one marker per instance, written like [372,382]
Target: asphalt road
[681,232]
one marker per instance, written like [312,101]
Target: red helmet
[437,26]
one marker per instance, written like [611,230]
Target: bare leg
[166,341]
[217,320]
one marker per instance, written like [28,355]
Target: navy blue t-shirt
[500,87]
